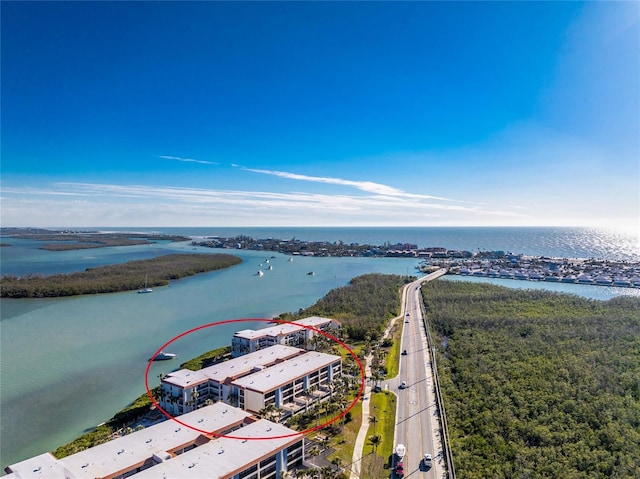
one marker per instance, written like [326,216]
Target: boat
[270,268]
[162,356]
[310,273]
[585,279]
[146,289]
[259,273]
[290,260]
[619,281]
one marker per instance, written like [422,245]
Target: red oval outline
[245,320]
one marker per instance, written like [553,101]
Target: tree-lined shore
[115,278]
[538,384]
[73,240]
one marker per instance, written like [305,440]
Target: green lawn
[392,360]
[343,443]
[383,407]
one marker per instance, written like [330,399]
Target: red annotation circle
[320,426]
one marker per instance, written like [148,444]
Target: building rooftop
[283,328]
[233,368]
[245,364]
[185,378]
[225,457]
[285,372]
[44,466]
[122,453]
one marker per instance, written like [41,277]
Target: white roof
[250,333]
[285,372]
[224,457]
[121,453]
[283,328]
[232,368]
[245,364]
[185,378]
[124,452]
[44,466]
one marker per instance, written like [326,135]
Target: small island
[74,240]
[130,276]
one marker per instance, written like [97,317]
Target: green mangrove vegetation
[207,359]
[537,384]
[364,306]
[73,240]
[114,278]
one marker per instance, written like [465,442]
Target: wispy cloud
[301,202]
[367,186]
[188,160]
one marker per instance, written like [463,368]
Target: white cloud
[367,186]
[188,160]
[142,205]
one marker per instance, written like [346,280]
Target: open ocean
[69,364]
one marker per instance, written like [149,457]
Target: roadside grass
[392,360]
[383,407]
[344,442]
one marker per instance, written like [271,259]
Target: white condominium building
[290,385]
[172,450]
[185,390]
[291,334]
[288,378]
[251,457]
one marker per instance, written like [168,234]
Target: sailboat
[146,289]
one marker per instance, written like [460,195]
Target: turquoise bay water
[69,364]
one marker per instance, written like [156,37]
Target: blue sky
[320,113]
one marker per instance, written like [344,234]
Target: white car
[403,384]
[427,460]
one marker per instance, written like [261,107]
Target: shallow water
[69,364]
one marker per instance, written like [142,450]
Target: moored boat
[146,288]
[162,356]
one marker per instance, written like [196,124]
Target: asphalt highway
[417,415]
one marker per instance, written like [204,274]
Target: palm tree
[314,451]
[284,474]
[375,442]
[373,420]
[267,411]
[194,397]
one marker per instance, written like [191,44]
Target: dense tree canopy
[118,277]
[538,384]
[364,306]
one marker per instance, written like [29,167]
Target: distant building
[172,450]
[291,334]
